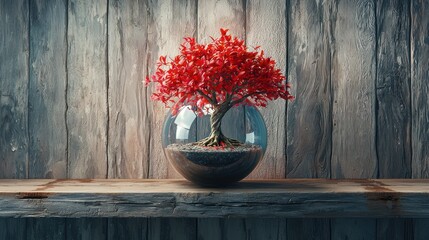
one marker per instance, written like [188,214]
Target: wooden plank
[308,228]
[13,228]
[353,84]
[304,198]
[262,22]
[45,228]
[129,123]
[14,64]
[127,228]
[354,228]
[176,228]
[420,87]
[87,117]
[393,89]
[170,21]
[309,115]
[47,86]
[14,54]
[86,228]
[419,99]
[393,101]
[239,228]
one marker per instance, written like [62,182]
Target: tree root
[218,141]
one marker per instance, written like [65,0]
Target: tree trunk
[216,137]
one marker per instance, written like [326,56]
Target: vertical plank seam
[375,90]
[107,91]
[27,171]
[146,90]
[66,88]
[286,13]
[66,102]
[410,59]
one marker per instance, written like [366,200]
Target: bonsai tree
[214,77]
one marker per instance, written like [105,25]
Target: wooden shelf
[295,198]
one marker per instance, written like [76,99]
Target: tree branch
[206,97]
[246,96]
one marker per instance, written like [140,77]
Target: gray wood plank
[419,99]
[45,228]
[14,54]
[353,229]
[299,228]
[239,228]
[394,229]
[263,22]
[86,228]
[393,103]
[393,89]
[13,228]
[353,83]
[172,228]
[87,116]
[47,86]
[170,21]
[420,87]
[129,123]
[178,198]
[309,115]
[127,228]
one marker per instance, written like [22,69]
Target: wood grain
[239,228]
[170,21]
[354,121]
[419,99]
[14,54]
[353,81]
[393,103]
[44,228]
[309,117]
[13,228]
[129,123]
[304,198]
[420,87]
[127,228]
[87,117]
[172,228]
[262,20]
[86,228]
[47,87]
[393,89]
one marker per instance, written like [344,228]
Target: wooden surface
[72,102]
[14,57]
[87,117]
[178,198]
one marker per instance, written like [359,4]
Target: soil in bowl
[213,166]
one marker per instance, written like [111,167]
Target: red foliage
[221,72]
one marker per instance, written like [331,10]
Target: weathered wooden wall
[72,102]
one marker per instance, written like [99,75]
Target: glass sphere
[213,166]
